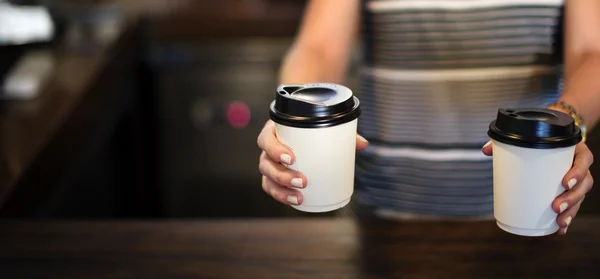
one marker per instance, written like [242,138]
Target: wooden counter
[286,248]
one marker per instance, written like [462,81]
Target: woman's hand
[277,180]
[578,182]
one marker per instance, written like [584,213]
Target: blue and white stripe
[435,73]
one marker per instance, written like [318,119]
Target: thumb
[487,148]
[361,143]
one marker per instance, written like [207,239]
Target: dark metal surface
[82,148]
[208,165]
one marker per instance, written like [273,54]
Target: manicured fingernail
[297,182]
[568,220]
[563,207]
[572,182]
[362,139]
[287,159]
[487,144]
[565,230]
[292,199]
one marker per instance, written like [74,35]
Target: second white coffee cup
[318,122]
[533,150]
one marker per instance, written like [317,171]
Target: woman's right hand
[279,181]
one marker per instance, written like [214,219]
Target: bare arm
[582,58]
[582,91]
[321,51]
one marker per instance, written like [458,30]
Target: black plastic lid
[314,105]
[535,128]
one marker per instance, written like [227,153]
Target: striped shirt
[435,73]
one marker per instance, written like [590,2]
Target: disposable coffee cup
[318,122]
[533,150]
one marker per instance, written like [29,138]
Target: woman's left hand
[578,182]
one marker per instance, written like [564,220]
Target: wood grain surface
[293,248]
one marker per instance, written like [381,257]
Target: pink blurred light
[238,114]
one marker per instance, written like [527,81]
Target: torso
[435,74]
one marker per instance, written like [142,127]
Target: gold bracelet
[576,116]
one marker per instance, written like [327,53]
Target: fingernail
[568,221]
[362,139]
[287,159]
[487,144]
[563,207]
[297,182]
[572,182]
[565,230]
[292,199]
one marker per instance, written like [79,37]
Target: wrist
[567,108]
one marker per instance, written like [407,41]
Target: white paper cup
[326,157]
[532,154]
[322,138]
[526,182]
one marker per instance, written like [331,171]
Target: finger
[487,148]
[566,218]
[281,194]
[581,164]
[361,143]
[280,174]
[573,196]
[267,141]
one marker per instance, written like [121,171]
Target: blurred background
[143,109]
